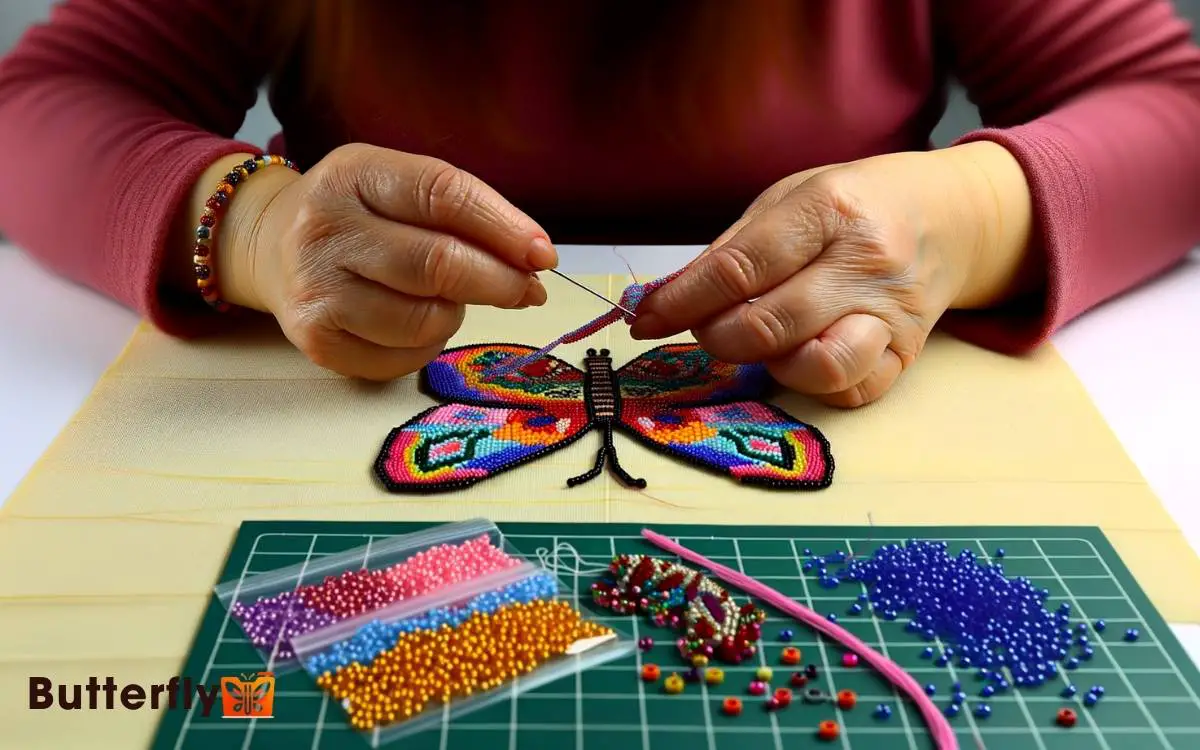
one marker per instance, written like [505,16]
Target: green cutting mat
[1151,685]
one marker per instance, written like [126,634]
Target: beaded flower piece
[675,596]
[674,399]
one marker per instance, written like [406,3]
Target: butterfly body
[674,399]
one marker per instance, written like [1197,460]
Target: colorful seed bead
[1066,718]
[764,674]
[673,684]
[206,230]
[847,699]
[375,637]
[271,622]
[700,661]
[849,660]
[651,672]
[790,656]
[783,696]
[714,676]
[828,731]
[433,667]
[757,687]
[799,679]
[645,643]
[732,706]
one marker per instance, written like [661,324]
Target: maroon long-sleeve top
[111,110]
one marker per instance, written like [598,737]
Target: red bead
[208,220]
[846,699]
[1066,718]
[828,730]
[201,250]
[799,680]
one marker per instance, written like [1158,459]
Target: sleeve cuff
[1063,198]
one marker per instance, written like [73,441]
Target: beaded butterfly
[674,399]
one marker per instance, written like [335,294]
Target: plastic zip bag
[274,607]
[401,650]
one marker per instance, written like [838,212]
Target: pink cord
[943,736]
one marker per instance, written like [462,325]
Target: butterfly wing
[753,442]
[467,375]
[456,445]
[686,374]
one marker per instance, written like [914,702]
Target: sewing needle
[592,292]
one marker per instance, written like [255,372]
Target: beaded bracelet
[206,231]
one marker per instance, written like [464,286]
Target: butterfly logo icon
[675,399]
[248,696]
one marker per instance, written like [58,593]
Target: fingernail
[542,255]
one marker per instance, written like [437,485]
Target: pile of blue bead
[376,636]
[998,627]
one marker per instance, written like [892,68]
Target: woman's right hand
[369,259]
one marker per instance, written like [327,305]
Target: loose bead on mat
[673,684]
[645,643]
[692,675]
[732,706]
[785,635]
[846,699]
[983,710]
[651,672]
[810,671]
[1132,635]
[952,710]
[790,656]
[883,711]
[1066,717]
[849,659]
[799,679]
[783,696]
[828,731]
[930,689]
[1100,626]
[772,703]
[757,687]
[764,674]
[714,676]
[1069,691]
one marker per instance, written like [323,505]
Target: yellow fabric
[110,547]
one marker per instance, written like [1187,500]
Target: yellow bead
[673,684]
[714,676]
[764,674]
[699,661]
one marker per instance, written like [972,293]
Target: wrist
[992,217]
[232,264]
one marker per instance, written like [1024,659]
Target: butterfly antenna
[619,470]
[591,473]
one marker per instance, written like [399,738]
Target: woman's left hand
[835,277]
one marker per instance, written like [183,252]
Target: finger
[427,263]
[352,357]
[781,320]
[872,388]
[430,193]
[387,318]
[766,251]
[841,356]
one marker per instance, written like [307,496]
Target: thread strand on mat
[943,735]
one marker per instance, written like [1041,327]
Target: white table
[1136,356]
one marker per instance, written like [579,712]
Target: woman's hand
[369,259]
[834,277]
